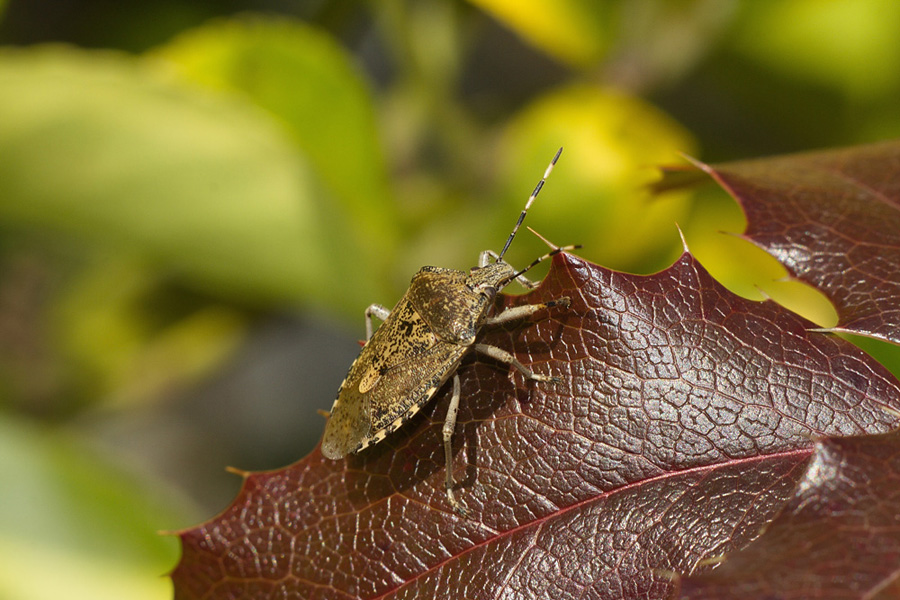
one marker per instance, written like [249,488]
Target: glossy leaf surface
[837,537]
[684,421]
[833,220]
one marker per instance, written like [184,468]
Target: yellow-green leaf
[74,526]
[310,84]
[103,146]
[597,194]
[574,31]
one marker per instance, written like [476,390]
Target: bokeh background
[198,199]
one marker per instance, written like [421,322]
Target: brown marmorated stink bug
[420,344]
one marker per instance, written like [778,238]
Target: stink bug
[419,346]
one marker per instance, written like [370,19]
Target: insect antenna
[537,190]
[539,260]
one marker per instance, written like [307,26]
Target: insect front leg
[379,312]
[520,312]
[484,260]
[449,428]
[485,256]
[504,356]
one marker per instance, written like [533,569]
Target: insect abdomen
[397,371]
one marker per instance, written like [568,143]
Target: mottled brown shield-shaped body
[420,345]
[416,349]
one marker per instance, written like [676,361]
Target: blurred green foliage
[166,181]
[78,516]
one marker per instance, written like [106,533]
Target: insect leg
[484,260]
[379,312]
[535,262]
[520,312]
[449,428]
[504,356]
[525,282]
[485,256]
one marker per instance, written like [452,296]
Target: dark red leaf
[833,220]
[837,537]
[684,422]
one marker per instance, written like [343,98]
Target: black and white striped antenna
[534,194]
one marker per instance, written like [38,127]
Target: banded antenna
[538,261]
[534,194]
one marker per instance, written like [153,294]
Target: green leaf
[597,194]
[104,146]
[112,328]
[74,526]
[574,31]
[309,83]
[847,44]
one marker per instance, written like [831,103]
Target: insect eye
[486,289]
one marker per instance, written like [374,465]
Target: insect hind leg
[449,428]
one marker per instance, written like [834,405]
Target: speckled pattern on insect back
[403,365]
[419,346]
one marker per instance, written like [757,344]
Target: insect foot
[420,344]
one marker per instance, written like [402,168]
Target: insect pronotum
[420,344]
